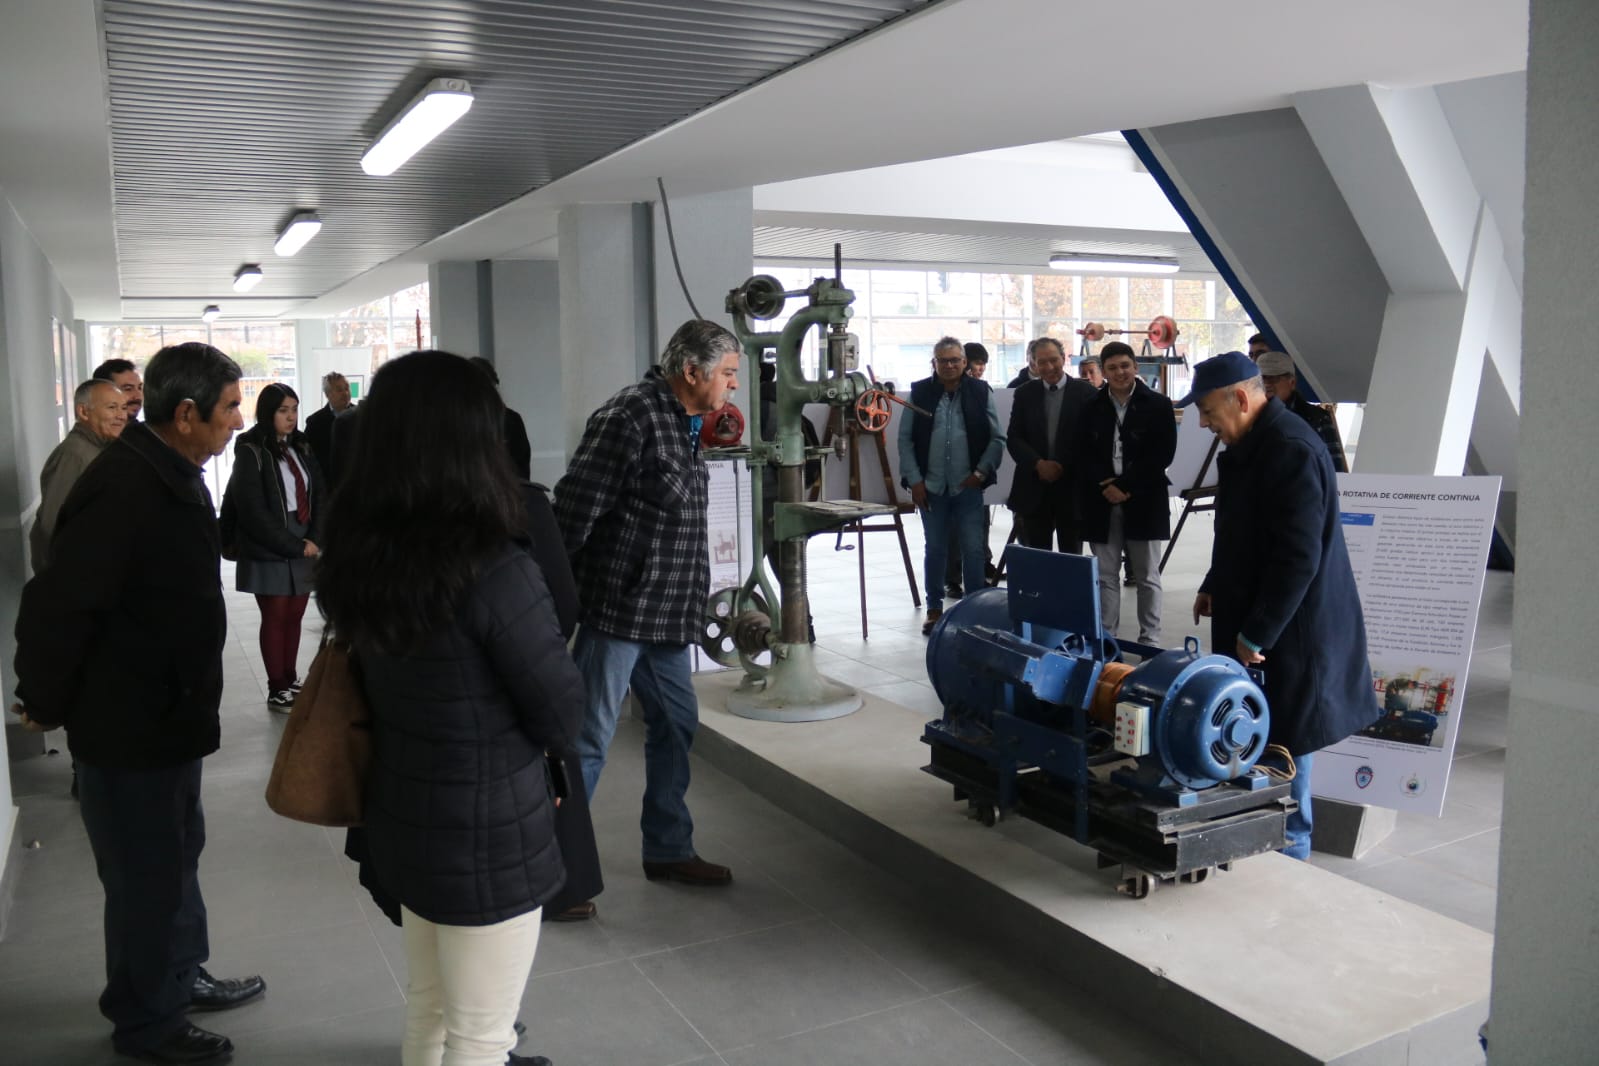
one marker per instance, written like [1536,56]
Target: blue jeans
[147,829]
[660,677]
[961,514]
[1299,823]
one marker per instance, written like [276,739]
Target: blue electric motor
[1028,679]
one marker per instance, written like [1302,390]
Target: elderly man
[1129,438]
[101,412]
[1046,423]
[1280,592]
[632,513]
[120,640]
[1091,370]
[946,459]
[1277,374]
[125,376]
[319,426]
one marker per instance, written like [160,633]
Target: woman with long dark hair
[274,509]
[470,684]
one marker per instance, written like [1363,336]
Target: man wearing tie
[1045,424]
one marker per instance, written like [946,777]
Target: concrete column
[1546,945]
[460,307]
[607,306]
[526,300]
[1396,160]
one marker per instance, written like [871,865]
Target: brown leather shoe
[577,912]
[933,615]
[695,871]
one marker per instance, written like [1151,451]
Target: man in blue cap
[1280,592]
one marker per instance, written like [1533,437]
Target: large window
[388,326]
[899,314]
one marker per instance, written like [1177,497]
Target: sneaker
[296,687]
[281,701]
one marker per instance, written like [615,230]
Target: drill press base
[793,691]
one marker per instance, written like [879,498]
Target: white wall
[30,295]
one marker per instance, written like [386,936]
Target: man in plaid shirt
[632,512]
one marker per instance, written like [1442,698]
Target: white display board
[1419,548]
[1193,444]
[727,527]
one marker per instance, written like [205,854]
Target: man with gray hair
[319,426]
[101,412]
[120,639]
[632,513]
[1277,374]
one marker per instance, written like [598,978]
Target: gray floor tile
[1479,779]
[371,1038]
[927,1033]
[1474,858]
[1436,889]
[607,1015]
[761,986]
[916,697]
[1419,832]
[1048,1022]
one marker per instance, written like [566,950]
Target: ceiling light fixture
[434,110]
[301,228]
[211,313]
[1113,264]
[248,277]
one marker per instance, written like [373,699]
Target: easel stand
[1197,497]
[853,433]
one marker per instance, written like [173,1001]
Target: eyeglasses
[955,360]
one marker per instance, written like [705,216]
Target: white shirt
[1116,441]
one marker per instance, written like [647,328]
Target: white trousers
[465,989]
[1143,560]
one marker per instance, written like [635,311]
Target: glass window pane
[1228,309]
[1146,298]
[1102,301]
[1052,297]
[122,341]
[1188,299]
[1006,341]
[902,348]
[1002,295]
[897,292]
[950,293]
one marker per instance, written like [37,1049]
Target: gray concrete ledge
[1274,962]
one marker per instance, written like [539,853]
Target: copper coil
[1102,708]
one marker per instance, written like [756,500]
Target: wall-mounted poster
[1419,547]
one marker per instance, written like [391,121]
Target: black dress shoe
[527,1060]
[209,993]
[695,871]
[191,1045]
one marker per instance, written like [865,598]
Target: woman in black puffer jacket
[470,684]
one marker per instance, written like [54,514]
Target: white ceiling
[959,76]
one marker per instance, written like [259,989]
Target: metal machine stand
[740,627]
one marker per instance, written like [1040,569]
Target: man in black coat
[1280,592]
[319,426]
[1129,438]
[120,640]
[1046,421]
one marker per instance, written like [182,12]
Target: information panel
[727,521]
[1419,547]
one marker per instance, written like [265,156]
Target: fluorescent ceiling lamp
[211,313]
[301,228]
[248,277]
[1113,264]
[435,109]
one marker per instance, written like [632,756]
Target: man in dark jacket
[1280,591]
[1130,436]
[1277,374]
[516,442]
[120,640]
[632,513]
[946,460]
[319,426]
[1046,423]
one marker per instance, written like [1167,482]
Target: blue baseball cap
[1219,371]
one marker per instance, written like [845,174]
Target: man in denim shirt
[946,461]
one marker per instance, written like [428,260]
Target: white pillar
[607,314]
[716,247]
[1546,942]
[459,307]
[526,299]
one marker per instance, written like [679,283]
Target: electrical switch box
[1132,728]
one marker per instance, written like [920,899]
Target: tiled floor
[814,955]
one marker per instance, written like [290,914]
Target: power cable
[671,240]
